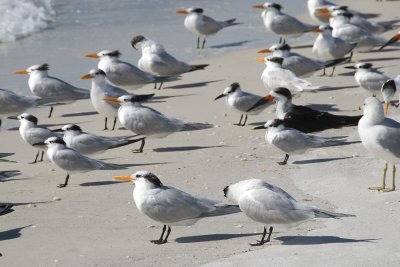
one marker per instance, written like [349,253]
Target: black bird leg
[155,85]
[51,111]
[333,70]
[115,121]
[204,42]
[140,150]
[41,158]
[161,84]
[323,73]
[65,183]
[240,122]
[198,42]
[37,155]
[161,240]
[105,124]
[262,241]
[245,120]
[285,160]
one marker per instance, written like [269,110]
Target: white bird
[269,204]
[327,47]
[45,86]
[202,25]
[292,141]
[71,160]
[300,65]
[100,90]
[148,122]
[274,75]
[344,29]
[33,133]
[381,137]
[369,78]
[88,143]
[241,101]
[12,104]
[169,205]
[158,61]
[388,90]
[124,74]
[280,23]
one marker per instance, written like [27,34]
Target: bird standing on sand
[269,204]
[170,205]
[202,25]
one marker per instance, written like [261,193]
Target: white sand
[97,224]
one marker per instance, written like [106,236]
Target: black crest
[137,39]
[152,178]
[347,15]
[31,118]
[44,66]
[284,47]
[226,189]
[234,86]
[389,84]
[100,72]
[366,66]
[58,141]
[278,60]
[276,123]
[283,91]
[276,6]
[197,10]
[75,127]
[114,53]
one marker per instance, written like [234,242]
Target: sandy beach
[94,221]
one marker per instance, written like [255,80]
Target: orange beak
[112,99]
[181,11]
[267,50]
[124,178]
[21,72]
[86,76]
[260,59]
[317,30]
[266,99]
[92,55]
[258,6]
[386,108]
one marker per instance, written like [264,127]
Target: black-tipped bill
[218,97]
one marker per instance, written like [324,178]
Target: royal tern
[148,122]
[391,41]
[303,118]
[71,160]
[380,137]
[158,61]
[292,141]
[241,101]
[388,90]
[45,86]
[33,133]
[88,143]
[344,29]
[100,90]
[169,205]
[327,47]
[368,78]
[269,204]
[280,23]
[274,75]
[300,65]
[124,74]
[202,25]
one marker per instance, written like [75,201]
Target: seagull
[327,47]
[33,133]
[269,204]
[202,25]
[88,143]
[241,101]
[292,141]
[12,104]
[124,74]
[169,205]
[301,66]
[148,122]
[274,75]
[280,23]
[391,41]
[303,118]
[100,90]
[388,90]
[158,61]
[71,160]
[369,78]
[45,86]
[380,137]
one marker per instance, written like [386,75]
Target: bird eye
[138,175]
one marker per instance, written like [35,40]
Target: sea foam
[21,18]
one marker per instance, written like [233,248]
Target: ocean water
[60,32]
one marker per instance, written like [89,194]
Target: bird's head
[42,68]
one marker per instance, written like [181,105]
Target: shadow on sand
[191,85]
[318,240]
[235,44]
[310,161]
[212,237]
[182,148]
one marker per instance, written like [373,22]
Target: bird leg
[140,150]
[263,240]
[240,122]
[115,121]
[51,111]
[285,160]
[198,42]
[161,240]
[37,155]
[393,181]
[383,180]
[245,119]
[161,84]
[41,158]
[105,124]
[204,42]
[65,183]
[333,70]
[323,73]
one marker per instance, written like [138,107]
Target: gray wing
[51,87]
[302,65]
[374,80]
[39,134]
[72,161]
[390,136]
[13,104]
[90,143]
[208,25]
[286,24]
[165,64]
[292,141]
[246,101]
[123,73]
[113,91]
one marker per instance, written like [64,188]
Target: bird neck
[282,107]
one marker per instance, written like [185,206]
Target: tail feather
[196,126]
[222,209]
[198,67]
[128,142]
[390,25]
[161,79]
[335,62]
[146,97]
[327,214]
[231,22]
